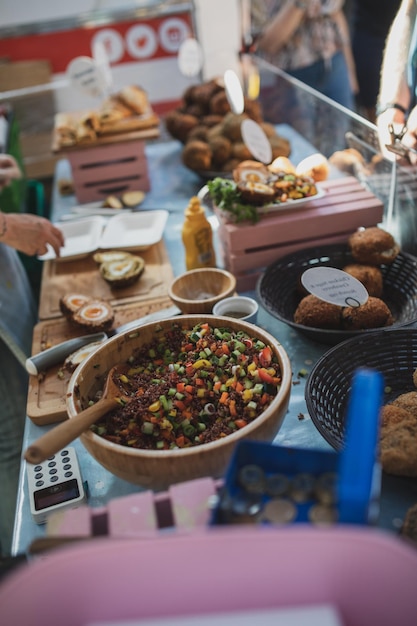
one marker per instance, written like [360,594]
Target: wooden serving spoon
[60,436]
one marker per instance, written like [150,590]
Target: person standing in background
[29,234]
[398,86]
[309,40]
[370,22]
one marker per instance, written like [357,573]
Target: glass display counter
[330,127]
[311,123]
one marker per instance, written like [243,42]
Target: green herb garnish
[226,197]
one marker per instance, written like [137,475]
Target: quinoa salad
[191,386]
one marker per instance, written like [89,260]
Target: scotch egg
[123,272]
[110,255]
[73,360]
[315,166]
[256,192]
[251,171]
[94,316]
[71,302]
[281,164]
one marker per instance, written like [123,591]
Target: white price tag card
[234,92]
[85,75]
[335,286]
[102,60]
[256,141]
[190,57]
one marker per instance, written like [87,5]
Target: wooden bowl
[197,291]
[157,469]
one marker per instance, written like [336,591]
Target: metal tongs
[396,146]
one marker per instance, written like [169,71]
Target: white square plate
[138,230]
[81,237]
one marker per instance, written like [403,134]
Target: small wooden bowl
[197,291]
[158,469]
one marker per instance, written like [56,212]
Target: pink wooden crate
[248,248]
[109,169]
[183,507]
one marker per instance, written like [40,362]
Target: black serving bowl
[393,353]
[279,288]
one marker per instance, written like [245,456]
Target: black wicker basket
[278,288]
[391,352]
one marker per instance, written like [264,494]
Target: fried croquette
[314,312]
[391,415]
[196,155]
[374,313]
[407,402]
[409,526]
[398,450]
[373,246]
[369,275]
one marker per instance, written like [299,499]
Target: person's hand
[9,170]
[30,234]
[410,137]
[384,121]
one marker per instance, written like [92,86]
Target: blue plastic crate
[266,483]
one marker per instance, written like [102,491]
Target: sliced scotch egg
[94,316]
[251,171]
[256,192]
[73,360]
[113,202]
[122,273]
[281,164]
[110,255]
[315,166]
[71,302]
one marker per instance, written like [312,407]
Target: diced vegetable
[191,387]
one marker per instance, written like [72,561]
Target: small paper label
[102,60]
[335,286]
[190,57]
[234,92]
[85,75]
[256,141]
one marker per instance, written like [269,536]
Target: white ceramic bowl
[239,307]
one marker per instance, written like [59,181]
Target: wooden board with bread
[126,114]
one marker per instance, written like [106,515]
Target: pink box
[109,169]
[248,248]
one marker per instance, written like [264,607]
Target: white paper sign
[256,141]
[335,286]
[85,75]
[101,57]
[190,57]
[234,92]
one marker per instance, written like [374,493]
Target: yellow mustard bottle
[197,237]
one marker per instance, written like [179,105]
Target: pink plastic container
[370,577]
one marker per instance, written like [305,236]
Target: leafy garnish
[226,197]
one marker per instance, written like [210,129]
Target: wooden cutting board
[82,276]
[46,394]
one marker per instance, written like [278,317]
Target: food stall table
[172,185]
